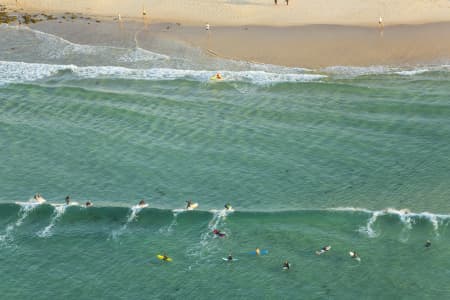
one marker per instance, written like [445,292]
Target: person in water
[142,202]
[218,76]
[323,250]
[428,244]
[227,206]
[88,203]
[257,251]
[354,255]
[165,257]
[230,258]
[68,200]
[217,232]
[286,265]
[188,203]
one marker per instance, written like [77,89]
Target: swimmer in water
[257,251]
[141,203]
[428,244]
[218,233]
[227,206]
[323,250]
[286,265]
[67,200]
[88,203]
[354,255]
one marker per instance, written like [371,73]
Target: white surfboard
[193,206]
[226,259]
[351,253]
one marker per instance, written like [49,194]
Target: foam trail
[57,213]
[204,246]
[174,221]
[405,216]
[134,210]
[369,226]
[25,209]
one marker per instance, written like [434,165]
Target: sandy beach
[302,34]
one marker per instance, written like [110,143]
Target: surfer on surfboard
[354,255]
[323,250]
[286,265]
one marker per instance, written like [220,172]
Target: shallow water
[307,158]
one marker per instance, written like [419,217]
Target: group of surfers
[189,204]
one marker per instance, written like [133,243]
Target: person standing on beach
[276,2]
[287,2]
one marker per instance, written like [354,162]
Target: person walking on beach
[287,2]
[276,2]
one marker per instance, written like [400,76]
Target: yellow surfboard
[161,257]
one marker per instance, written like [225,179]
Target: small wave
[405,216]
[58,212]
[132,216]
[24,211]
[17,72]
[56,47]
[355,71]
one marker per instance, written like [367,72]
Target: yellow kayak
[161,257]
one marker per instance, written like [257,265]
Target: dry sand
[257,12]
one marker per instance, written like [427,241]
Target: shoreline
[306,46]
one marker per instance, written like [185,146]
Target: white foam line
[405,215]
[11,72]
[134,210]
[57,213]
[25,209]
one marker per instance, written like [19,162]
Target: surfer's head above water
[142,202]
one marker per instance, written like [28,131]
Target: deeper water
[355,158]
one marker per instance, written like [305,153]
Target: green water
[307,158]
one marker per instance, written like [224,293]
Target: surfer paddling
[354,255]
[218,233]
[323,250]
[286,265]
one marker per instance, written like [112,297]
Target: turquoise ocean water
[355,158]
